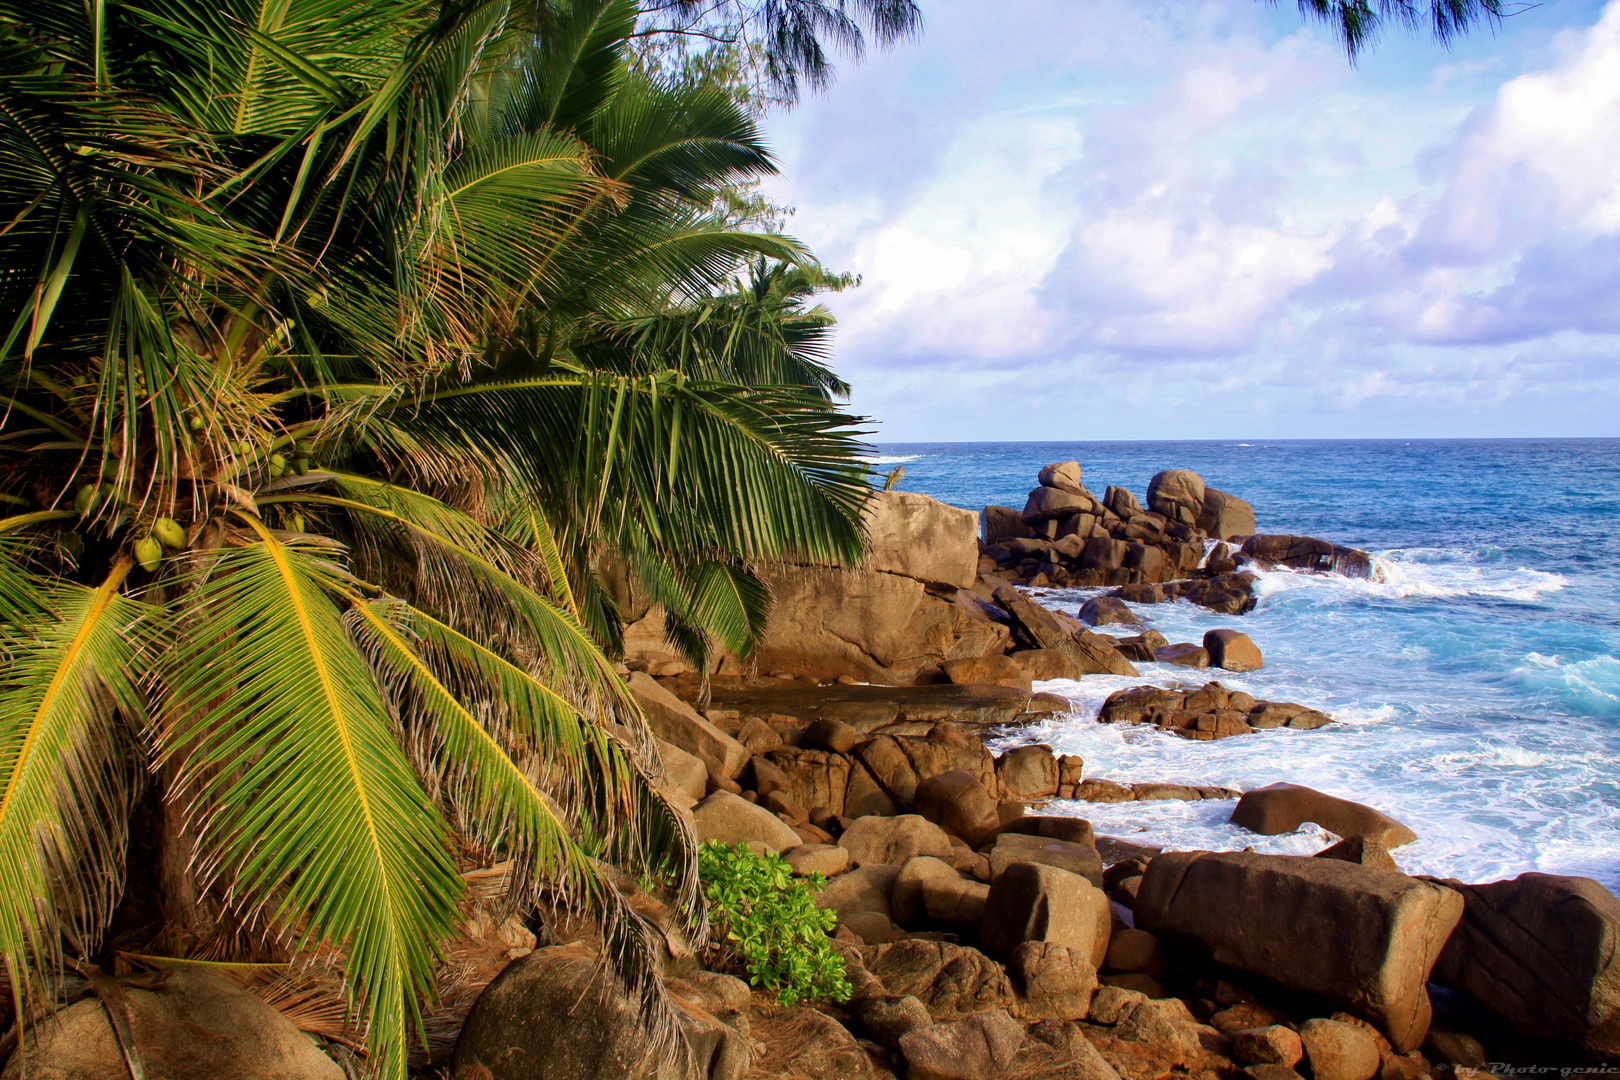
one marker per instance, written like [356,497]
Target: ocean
[1476,688]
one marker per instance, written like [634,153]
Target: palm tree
[334,344]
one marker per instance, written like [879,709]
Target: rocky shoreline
[988,932]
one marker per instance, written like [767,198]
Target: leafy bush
[769,921]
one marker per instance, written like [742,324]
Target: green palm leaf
[64,789]
[317,818]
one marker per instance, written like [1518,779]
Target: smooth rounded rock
[1270,1045]
[1337,1051]
[1232,650]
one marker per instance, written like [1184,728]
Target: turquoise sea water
[1477,687]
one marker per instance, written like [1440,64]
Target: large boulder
[1339,1051]
[1542,951]
[1028,773]
[1000,523]
[1364,938]
[1033,902]
[684,773]
[951,980]
[1232,650]
[1081,859]
[1178,495]
[1283,808]
[732,819]
[875,627]
[995,670]
[978,1047]
[1309,553]
[1092,653]
[894,841]
[1225,517]
[677,723]
[1108,611]
[1064,475]
[185,1023]
[866,891]
[958,803]
[1054,504]
[557,1015]
[1056,982]
[918,537]
[900,763]
[815,778]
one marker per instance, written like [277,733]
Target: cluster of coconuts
[166,533]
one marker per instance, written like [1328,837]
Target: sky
[1077,219]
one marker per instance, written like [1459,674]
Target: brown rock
[1177,494]
[1092,653]
[1063,475]
[1225,517]
[1055,981]
[1032,902]
[677,723]
[1232,650]
[1183,654]
[830,734]
[1102,791]
[907,906]
[1003,523]
[683,772]
[187,1024]
[1146,985]
[780,804]
[1338,1051]
[1308,553]
[822,1048]
[914,536]
[1542,951]
[954,901]
[1364,938]
[1135,951]
[959,803]
[994,670]
[865,796]
[978,1047]
[1043,664]
[552,1016]
[1246,1014]
[890,1017]
[824,859]
[757,737]
[1361,850]
[730,819]
[894,841]
[1028,773]
[1270,1045]
[1108,611]
[866,890]
[814,777]
[1283,808]
[951,980]
[1072,830]
[1080,859]
[1268,1072]
[1054,504]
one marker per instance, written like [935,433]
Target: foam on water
[1396,663]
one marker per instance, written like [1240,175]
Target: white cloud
[1201,198]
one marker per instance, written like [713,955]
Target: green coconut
[149,553]
[169,532]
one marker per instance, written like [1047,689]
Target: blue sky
[1088,220]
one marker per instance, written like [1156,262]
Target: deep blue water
[1477,686]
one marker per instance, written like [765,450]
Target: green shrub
[768,920]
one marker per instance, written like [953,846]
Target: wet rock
[1028,773]
[1364,938]
[1542,951]
[1308,553]
[1338,1051]
[1033,902]
[951,980]
[894,841]
[186,1024]
[979,1047]
[1107,611]
[1092,653]
[1232,650]
[731,819]
[1183,654]
[994,670]
[1283,808]
[1361,850]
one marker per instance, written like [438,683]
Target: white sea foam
[1428,576]
[891,459]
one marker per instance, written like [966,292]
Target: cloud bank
[1083,220]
